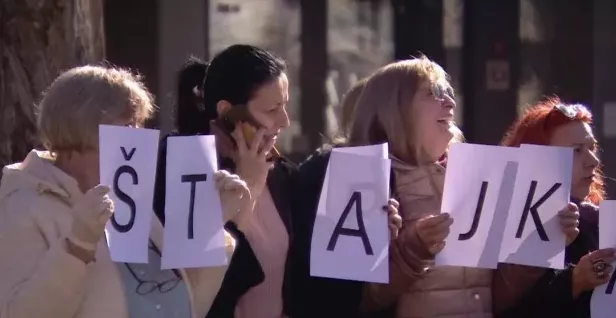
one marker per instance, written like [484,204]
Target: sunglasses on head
[570,110]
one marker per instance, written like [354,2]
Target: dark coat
[316,296]
[552,295]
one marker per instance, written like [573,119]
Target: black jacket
[316,296]
[244,270]
[551,296]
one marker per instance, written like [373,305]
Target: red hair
[537,125]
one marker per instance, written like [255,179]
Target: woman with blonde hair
[54,257]
[410,105]
[397,97]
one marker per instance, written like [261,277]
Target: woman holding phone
[242,101]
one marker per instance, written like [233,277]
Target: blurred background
[501,54]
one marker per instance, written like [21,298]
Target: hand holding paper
[90,215]
[585,274]
[395,221]
[432,230]
[569,221]
[234,194]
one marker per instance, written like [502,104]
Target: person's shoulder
[589,205]
[285,166]
[173,133]
[29,206]
[321,155]
[317,161]
[162,144]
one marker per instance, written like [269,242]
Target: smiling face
[269,105]
[400,105]
[433,115]
[579,136]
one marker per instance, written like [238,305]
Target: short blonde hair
[82,98]
[383,112]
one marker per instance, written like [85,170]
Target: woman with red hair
[551,293]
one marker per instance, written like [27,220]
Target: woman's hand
[593,269]
[432,230]
[569,222]
[251,160]
[393,217]
[90,215]
[234,194]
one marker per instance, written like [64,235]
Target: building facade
[502,55]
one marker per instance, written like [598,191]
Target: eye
[594,148]
[273,110]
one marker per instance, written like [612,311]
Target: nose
[592,161]
[283,119]
[448,102]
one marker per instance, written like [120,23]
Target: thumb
[99,190]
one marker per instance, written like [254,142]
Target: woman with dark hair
[546,292]
[250,78]
[242,101]
[189,119]
[189,111]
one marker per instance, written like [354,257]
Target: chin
[437,150]
[446,139]
[580,195]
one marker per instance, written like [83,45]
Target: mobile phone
[249,126]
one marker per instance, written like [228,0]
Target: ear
[222,107]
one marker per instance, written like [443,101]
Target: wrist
[80,252]
[417,245]
[577,287]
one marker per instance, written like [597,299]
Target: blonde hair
[82,98]
[383,112]
[347,106]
